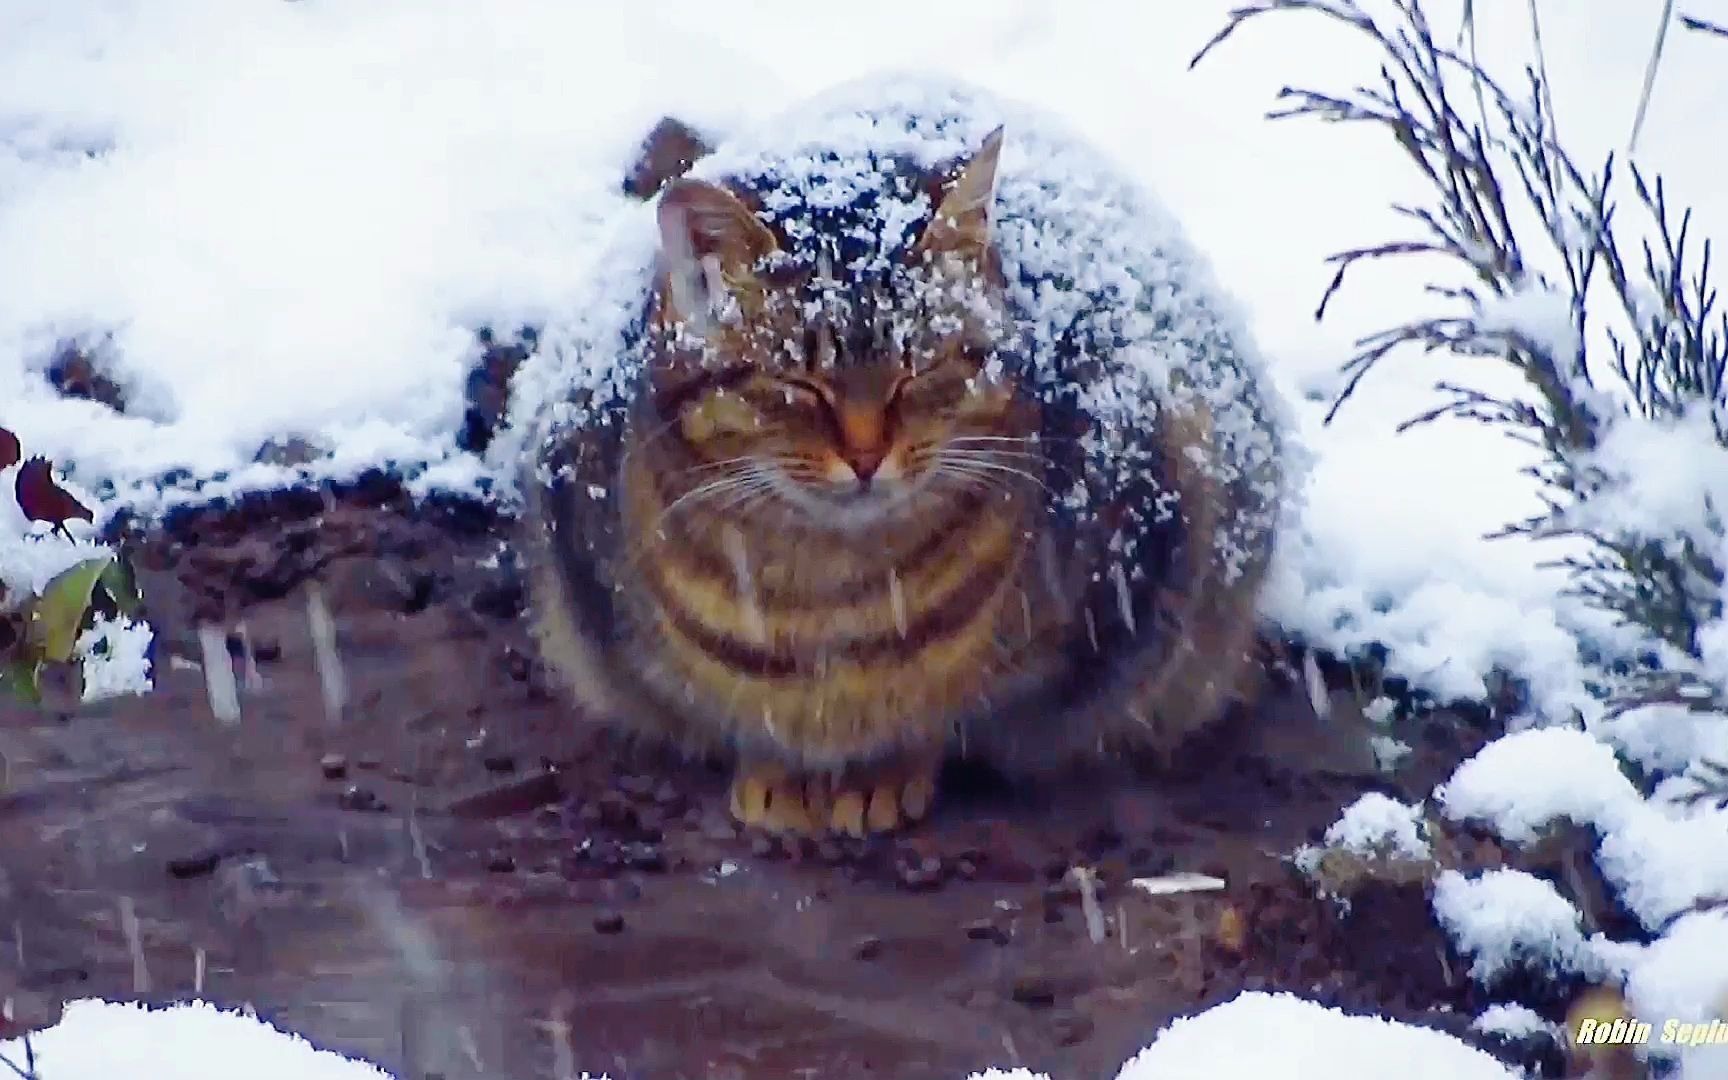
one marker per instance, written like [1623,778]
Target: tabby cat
[862,500]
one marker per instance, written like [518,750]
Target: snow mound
[1262,1035]
[1376,823]
[1505,920]
[103,1040]
[1522,782]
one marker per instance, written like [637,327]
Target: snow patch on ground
[1378,824]
[101,1040]
[1507,920]
[1294,1039]
[1522,782]
[1662,856]
[1514,1022]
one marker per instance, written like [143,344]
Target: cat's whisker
[1040,439]
[991,453]
[745,496]
[749,477]
[741,461]
[985,469]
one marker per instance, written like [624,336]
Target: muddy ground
[430,862]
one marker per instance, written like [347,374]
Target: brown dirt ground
[490,885]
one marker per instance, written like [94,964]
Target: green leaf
[58,614]
[119,583]
[22,679]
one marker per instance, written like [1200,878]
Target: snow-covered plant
[64,603]
[1623,396]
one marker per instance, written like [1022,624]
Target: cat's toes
[847,815]
[878,799]
[917,795]
[883,800]
[767,797]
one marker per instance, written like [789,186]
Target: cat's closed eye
[806,392]
[718,415]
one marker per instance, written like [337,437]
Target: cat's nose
[865,462]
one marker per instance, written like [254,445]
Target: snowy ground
[1294,1039]
[287,219]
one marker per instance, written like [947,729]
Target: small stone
[965,869]
[499,763]
[918,879]
[1070,1029]
[191,866]
[637,787]
[667,795]
[1034,991]
[501,863]
[645,857]
[359,798]
[985,930]
[719,829]
[609,922]
[868,948]
[763,847]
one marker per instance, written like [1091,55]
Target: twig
[1692,22]
[219,685]
[1650,74]
[1666,353]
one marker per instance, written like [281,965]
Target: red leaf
[10,449]
[42,499]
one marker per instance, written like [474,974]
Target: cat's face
[841,401]
[854,445]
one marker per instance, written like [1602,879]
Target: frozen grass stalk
[1529,235]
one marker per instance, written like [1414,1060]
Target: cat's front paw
[863,800]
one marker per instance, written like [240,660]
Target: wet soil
[421,856]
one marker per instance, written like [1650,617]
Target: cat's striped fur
[827,530]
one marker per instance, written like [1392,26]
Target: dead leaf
[1232,934]
[42,499]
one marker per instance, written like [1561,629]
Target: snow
[1378,824]
[1524,781]
[1293,1039]
[1260,1034]
[100,1040]
[273,220]
[1514,1022]
[1662,856]
[1507,920]
[117,658]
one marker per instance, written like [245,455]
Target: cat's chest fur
[831,643]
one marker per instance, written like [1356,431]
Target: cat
[882,473]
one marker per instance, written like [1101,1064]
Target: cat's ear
[709,242]
[961,224]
